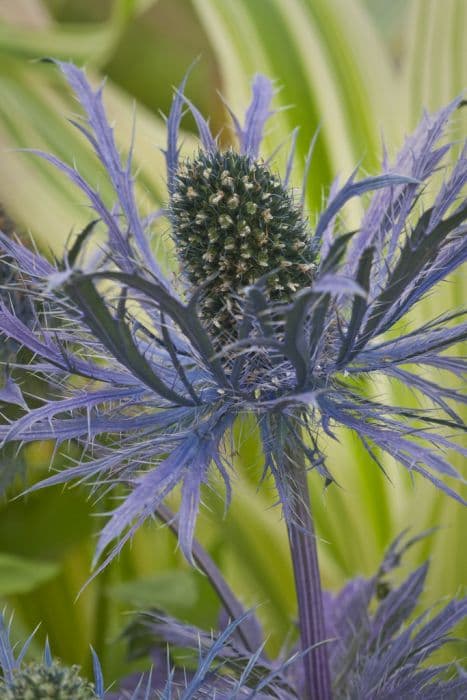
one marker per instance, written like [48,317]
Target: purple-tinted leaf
[389,209]
[306,171]
[148,491]
[435,392]
[411,454]
[418,346]
[177,364]
[356,189]
[173,126]
[335,253]
[257,114]
[296,344]
[86,400]
[14,328]
[7,658]
[117,338]
[32,263]
[106,150]
[98,676]
[204,131]
[186,317]
[73,253]
[191,494]
[451,189]
[291,157]
[449,259]
[206,662]
[359,306]
[422,247]
[395,609]
[437,628]
[98,205]
[338,284]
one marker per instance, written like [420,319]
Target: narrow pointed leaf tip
[10,392]
[257,114]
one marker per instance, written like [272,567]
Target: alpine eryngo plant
[265,315]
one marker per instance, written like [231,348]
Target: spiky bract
[233,223]
[10,289]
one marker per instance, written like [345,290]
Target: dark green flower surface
[39,681]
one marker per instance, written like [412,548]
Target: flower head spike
[234,222]
[277,320]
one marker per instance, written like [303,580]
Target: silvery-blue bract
[150,378]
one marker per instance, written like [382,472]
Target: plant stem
[302,540]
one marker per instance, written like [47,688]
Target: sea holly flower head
[167,363]
[36,681]
[234,222]
[47,679]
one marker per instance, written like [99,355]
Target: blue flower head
[264,315]
[47,679]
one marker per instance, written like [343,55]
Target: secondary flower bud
[37,681]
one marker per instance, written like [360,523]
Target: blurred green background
[361,69]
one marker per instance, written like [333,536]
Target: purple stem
[302,540]
[249,630]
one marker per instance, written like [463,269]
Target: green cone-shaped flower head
[235,222]
[37,681]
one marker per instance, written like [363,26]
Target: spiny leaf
[116,337]
[359,306]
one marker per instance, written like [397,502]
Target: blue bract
[154,379]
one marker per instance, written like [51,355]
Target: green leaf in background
[435,70]
[21,575]
[80,42]
[170,591]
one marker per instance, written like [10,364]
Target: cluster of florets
[234,223]
[37,681]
